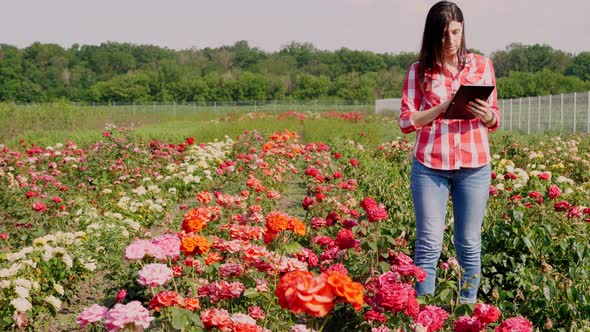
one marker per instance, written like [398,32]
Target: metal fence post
[528,128]
[519,112]
[255,107]
[215,106]
[588,118]
[574,112]
[550,112]
[539,115]
[561,115]
[510,114]
[502,116]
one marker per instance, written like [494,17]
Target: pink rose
[132,315]
[432,317]
[169,245]
[91,314]
[154,275]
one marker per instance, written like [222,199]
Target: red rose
[121,295]
[432,317]
[345,239]
[307,202]
[372,315]
[368,202]
[486,313]
[494,191]
[376,213]
[515,324]
[468,324]
[574,212]
[544,176]
[164,299]
[553,191]
[39,206]
[354,162]
[562,206]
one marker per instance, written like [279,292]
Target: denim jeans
[469,191]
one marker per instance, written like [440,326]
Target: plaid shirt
[448,144]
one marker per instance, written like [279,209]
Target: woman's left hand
[481,109]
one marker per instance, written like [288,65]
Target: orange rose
[213,258]
[194,244]
[297,226]
[301,291]
[277,221]
[192,304]
[343,286]
[192,224]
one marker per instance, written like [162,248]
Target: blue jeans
[469,190]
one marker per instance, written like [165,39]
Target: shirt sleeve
[493,101]
[411,100]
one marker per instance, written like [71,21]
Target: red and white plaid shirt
[448,144]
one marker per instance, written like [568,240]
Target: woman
[450,156]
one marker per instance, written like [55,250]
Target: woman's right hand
[444,106]
[425,117]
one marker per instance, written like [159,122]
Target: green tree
[124,88]
[580,66]
[307,87]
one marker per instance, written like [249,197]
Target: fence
[18,119]
[564,113]
[237,106]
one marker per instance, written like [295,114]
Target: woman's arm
[425,117]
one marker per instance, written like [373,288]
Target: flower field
[301,222]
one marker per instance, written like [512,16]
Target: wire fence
[17,119]
[564,113]
[235,106]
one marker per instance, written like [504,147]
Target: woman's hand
[481,109]
[425,117]
[443,107]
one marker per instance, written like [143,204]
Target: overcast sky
[381,26]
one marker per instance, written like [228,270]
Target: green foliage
[580,66]
[124,72]
[546,82]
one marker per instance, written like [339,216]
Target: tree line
[124,72]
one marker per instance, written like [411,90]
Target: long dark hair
[438,18]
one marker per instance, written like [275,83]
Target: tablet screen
[466,93]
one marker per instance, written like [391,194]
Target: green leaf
[251,293]
[528,243]
[179,317]
[372,245]
[292,248]
[547,293]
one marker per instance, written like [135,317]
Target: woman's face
[452,38]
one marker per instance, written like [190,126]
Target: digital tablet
[466,93]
